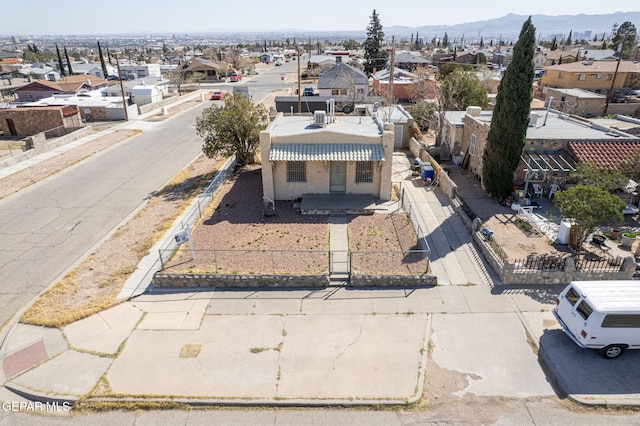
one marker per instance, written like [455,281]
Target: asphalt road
[47,228]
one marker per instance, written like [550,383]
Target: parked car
[236,76]
[308,91]
[278,63]
[218,95]
[254,72]
[602,315]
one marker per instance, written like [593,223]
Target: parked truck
[242,89]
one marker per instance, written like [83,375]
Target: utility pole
[299,93]
[615,74]
[392,69]
[124,100]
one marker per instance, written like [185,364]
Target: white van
[602,315]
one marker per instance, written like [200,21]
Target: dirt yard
[247,242]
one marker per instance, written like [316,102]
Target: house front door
[338,176]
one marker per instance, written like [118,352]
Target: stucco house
[326,154]
[141,91]
[595,76]
[135,71]
[555,142]
[577,101]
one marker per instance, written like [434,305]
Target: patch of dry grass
[94,285]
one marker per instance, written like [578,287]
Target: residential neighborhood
[388,226]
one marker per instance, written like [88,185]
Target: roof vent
[319,118]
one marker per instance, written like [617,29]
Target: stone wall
[29,121]
[40,148]
[509,275]
[358,280]
[186,281]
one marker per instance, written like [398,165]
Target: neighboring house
[410,62]
[24,121]
[141,91]
[132,72]
[465,58]
[593,76]
[554,144]
[325,155]
[502,58]
[93,69]
[553,57]
[598,55]
[577,101]
[322,61]
[343,80]
[92,105]
[211,70]
[10,64]
[266,58]
[402,83]
[70,85]
[39,73]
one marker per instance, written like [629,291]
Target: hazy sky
[172,16]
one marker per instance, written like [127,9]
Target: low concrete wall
[171,100]
[39,148]
[161,280]
[509,275]
[358,280]
[143,109]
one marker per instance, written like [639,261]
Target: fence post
[199,210]
[215,259]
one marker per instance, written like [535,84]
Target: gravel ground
[289,242]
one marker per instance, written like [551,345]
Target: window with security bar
[296,171]
[364,171]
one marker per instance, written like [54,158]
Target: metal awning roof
[326,152]
[558,161]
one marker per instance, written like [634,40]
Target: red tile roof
[603,153]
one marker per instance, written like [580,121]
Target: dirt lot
[289,242]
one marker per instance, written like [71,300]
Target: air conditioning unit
[319,118]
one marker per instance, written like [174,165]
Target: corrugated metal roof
[326,152]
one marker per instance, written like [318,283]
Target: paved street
[49,226]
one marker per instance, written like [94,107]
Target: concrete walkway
[454,259]
[338,247]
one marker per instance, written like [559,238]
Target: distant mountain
[508,27]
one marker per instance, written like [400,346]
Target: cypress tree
[508,130]
[104,66]
[66,55]
[60,63]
